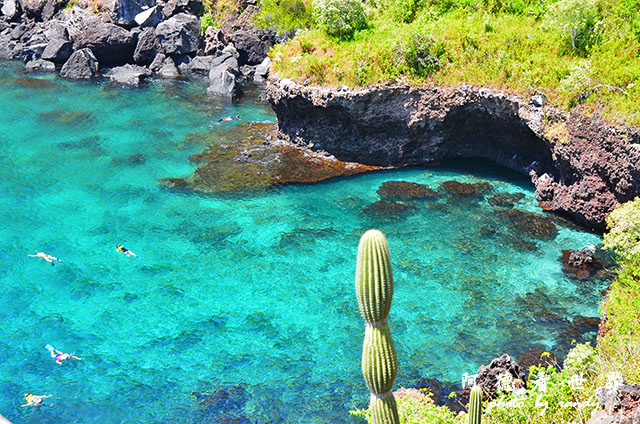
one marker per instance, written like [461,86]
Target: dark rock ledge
[581,166]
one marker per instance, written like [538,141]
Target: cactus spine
[475,405]
[374,289]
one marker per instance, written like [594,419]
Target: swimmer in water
[60,356]
[34,400]
[121,249]
[229,118]
[46,257]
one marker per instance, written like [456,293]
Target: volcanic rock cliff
[581,166]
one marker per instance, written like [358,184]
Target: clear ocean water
[240,309]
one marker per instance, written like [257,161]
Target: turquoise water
[240,309]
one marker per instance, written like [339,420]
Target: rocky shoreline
[581,166]
[128,41]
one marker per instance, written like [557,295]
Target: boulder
[147,48]
[251,49]
[33,8]
[9,48]
[223,74]
[179,34]
[262,70]
[82,64]
[40,65]
[173,7]
[149,18]
[58,51]
[489,375]
[201,64]
[112,45]
[168,69]
[214,41]
[51,7]
[11,9]
[32,51]
[124,12]
[128,75]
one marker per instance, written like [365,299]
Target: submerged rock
[466,189]
[530,224]
[64,117]
[253,161]
[507,200]
[385,210]
[36,83]
[405,190]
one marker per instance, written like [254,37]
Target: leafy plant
[623,235]
[554,395]
[340,18]
[417,407]
[422,53]
[579,21]
[285,15]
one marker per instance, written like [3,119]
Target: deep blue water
[240,308]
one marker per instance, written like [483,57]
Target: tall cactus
[475,405]
[374,289]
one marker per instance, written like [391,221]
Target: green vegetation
[619,346]
[417,407]
[580,53]
[217,11]
[623,236]
[374,289]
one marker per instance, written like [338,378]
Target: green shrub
[417,407]
[553,395]
[285,15]
[619,345]
[206,21]
[422,54]
[623,236]
[340,18]
[580,23]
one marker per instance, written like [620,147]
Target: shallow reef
[35,83]
[252,160]
[466,189]
[405,190]
[387,210]
[530,224]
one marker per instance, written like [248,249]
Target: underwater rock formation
[404,190]
[584,175]
[254,161]
[466,189]
[387,210]
[530,224]
[507,200]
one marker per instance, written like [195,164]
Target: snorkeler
[229,118]
[33,400]
[46,257]
[121,249]
[59,356]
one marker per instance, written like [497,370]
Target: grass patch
[577,53]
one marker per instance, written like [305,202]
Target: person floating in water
[46,257]
[229,118]
[60,356]
[34,400]
[121,249]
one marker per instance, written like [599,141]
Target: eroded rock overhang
[581,166]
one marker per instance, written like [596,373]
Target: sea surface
[239,309]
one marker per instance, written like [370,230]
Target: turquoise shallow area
[239,309]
